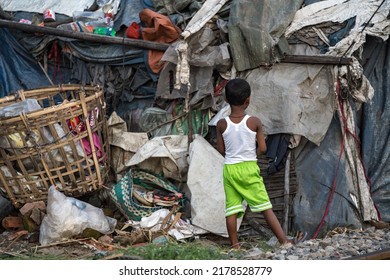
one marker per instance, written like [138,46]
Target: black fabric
[277,152]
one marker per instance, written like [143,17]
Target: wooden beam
[29,28]
[317,59]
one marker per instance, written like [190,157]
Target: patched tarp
[293,98]
[256,34]
[339,11]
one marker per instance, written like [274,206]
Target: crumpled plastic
[181,229]
[67,217]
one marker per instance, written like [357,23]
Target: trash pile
[97,21]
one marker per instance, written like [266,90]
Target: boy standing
[237,136]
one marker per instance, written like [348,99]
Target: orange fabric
[158,28]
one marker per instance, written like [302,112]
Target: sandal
[299,237]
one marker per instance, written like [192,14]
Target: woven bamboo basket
[53,136]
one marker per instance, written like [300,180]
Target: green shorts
[242,181]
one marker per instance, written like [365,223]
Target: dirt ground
[21,244]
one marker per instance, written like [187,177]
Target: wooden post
[286,197]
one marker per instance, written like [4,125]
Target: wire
[333,188]
[364,27]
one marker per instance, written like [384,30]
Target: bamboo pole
[29,28]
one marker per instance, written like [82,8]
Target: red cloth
[158,28]
[133,31]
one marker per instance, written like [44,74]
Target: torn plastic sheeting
[165,154]
[205,182]
[352,153]
[209,9]
[119,137]
[123,144]
[204,14]
[341,11]
[67,217]
[180,230]
[293,98]
[256,35]
[201,61]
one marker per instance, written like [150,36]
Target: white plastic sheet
[206,185]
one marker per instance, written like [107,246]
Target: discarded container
[39,147]
[107,31]
[49,15]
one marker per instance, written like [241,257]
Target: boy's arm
[221,126]
[261,145]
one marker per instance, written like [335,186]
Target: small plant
[177,251]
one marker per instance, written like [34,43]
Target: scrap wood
[62,243]
[15,255]
[109,246]
[16,237]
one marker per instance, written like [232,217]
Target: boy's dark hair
[237,91]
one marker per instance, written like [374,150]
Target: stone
[32,205]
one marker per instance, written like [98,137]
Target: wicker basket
[55,136]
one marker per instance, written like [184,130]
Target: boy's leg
[231,225]
[273,223]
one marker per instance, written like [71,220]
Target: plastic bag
[67,217]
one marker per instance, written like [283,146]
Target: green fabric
[122,193]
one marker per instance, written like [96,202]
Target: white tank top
[240,142]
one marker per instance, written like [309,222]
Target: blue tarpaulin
[376,124]
[18,70]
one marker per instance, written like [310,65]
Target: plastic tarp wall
[376,124]
[255,33]
[18,68]
[316,170]
[293,98]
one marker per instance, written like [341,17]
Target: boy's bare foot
[236,246]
